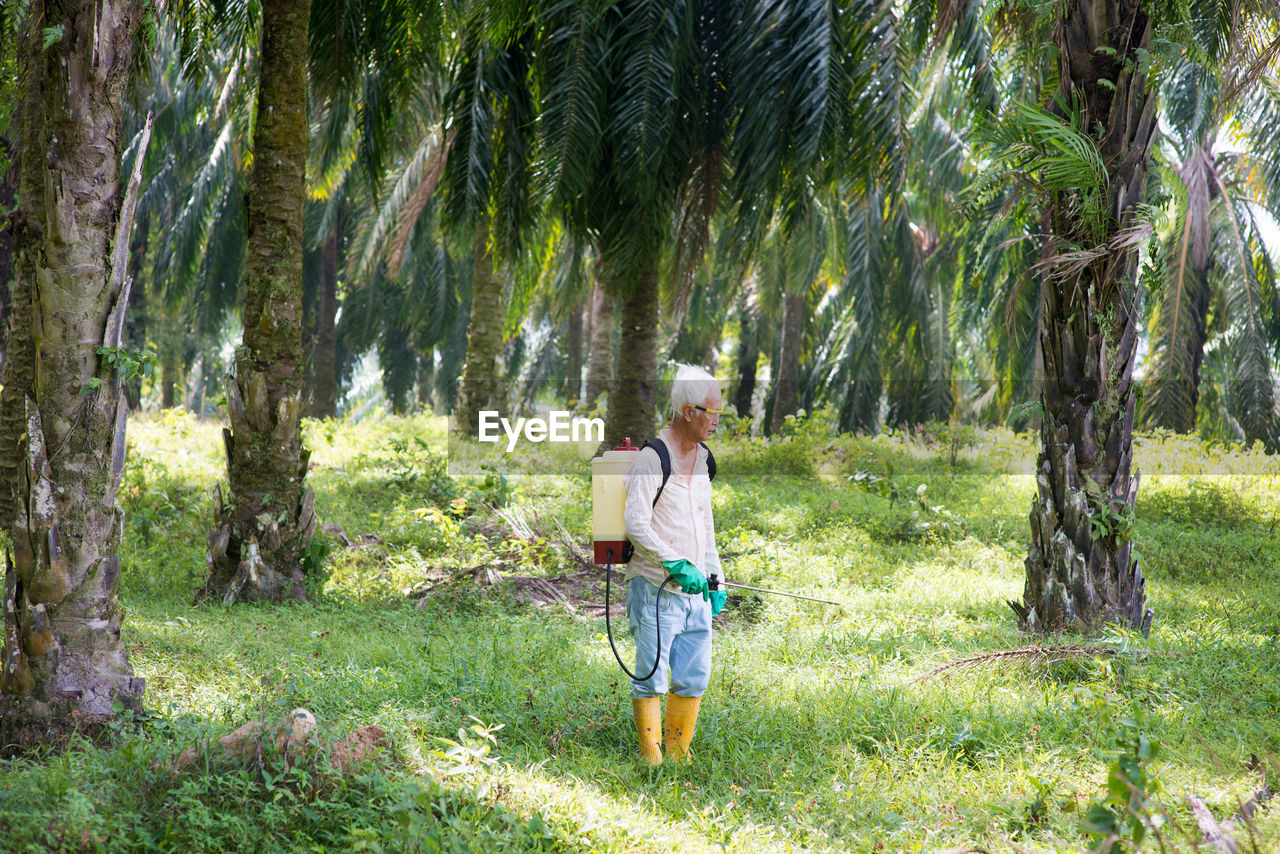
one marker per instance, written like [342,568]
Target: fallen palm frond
[484,574]
[1021,655]
[532,527]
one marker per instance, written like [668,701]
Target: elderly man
[671,528]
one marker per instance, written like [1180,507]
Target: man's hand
[688,576]
[718,598]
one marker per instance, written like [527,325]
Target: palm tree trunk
[573,355]
[788,381]
[748,355]
[62,647]
[1080,566]
[19,374]
[599,347]
[426,379]
[170,376]
[632,399]
[8,185]
[256,547]
[324,392]
[483,375]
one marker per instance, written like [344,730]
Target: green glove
[711,560]
[688,576]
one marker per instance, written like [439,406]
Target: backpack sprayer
[609,529]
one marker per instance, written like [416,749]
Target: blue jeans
[686,640]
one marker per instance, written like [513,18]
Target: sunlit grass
[815,734]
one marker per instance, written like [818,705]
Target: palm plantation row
[913,212]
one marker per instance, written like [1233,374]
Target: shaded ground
[24,737]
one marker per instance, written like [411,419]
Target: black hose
[657,625]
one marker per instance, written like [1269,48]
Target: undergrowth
[510,724]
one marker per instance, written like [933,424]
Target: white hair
[692,385]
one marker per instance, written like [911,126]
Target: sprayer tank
[609,502]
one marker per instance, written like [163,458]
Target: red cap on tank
[626,445]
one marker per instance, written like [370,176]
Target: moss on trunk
[483,376]
[63,653]
[8,186]
[19,374]
[633,397]
[600,337]
[260,533]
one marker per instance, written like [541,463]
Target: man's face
[706,418]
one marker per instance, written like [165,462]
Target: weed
[1127,814]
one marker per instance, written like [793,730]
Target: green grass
[812,736]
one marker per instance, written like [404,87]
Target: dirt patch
[356,746]
[579,593]
[294,739]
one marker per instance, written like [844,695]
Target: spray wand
[713,583]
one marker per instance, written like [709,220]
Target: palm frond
[641,117]
[369,53]
[514,207]
[469,163]
[1178,334]
[407,190]
[1252,388]
[571,124]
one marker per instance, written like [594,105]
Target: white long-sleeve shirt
[680,526]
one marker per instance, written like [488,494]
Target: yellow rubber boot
[648,712]
[677,729]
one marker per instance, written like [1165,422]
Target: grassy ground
[509,723]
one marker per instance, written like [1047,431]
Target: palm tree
[488,189]
[62,647]
[409,310]
[888,334]
[574,348]
[600,335]
[407,278]
[652,111]
[748,353]
[1212,284]
[256,547]
[1092,157]
[787,273]
[189,252]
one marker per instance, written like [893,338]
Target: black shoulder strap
[664,459]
